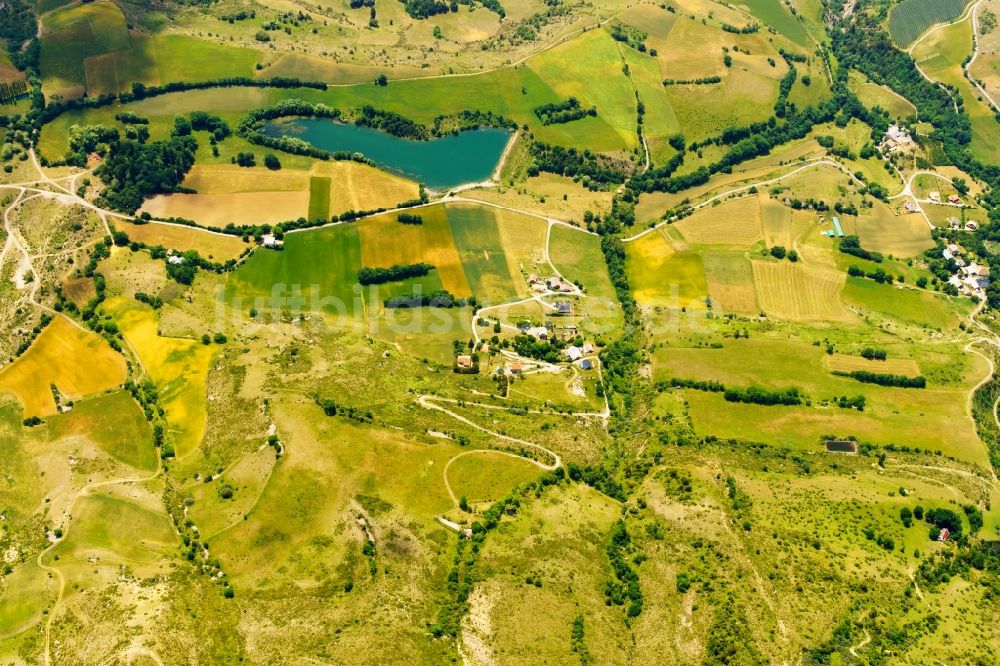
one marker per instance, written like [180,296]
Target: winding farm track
[430,402]
[83,492]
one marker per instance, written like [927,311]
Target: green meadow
[319,198]
[115,423]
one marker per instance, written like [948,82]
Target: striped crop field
[911,17]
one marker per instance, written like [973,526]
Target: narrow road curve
[427,402]
[975,54]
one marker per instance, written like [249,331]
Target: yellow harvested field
[178,366]
[664,274]
[732,223]
[892,366]
[218,210]
[385,242]
[356,186]
[230,179]
[216,247]
[799,292]
[77,361]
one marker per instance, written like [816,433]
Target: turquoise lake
[466,157]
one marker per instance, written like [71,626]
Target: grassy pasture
[569,389]
[7,70]
[78,362]
[216,247]
[513,92]
[321,264]
[179,367]
[899,235]
[774,14]
[116,531]
[910,18]
[24,598]
[895,366]
[523,239]
[248,477]
[748,89]
[799,292]
[652,205]
[355,186]
[569,67]
[166,58]
[902,416]
[560,541]
[488,476]
[313,68]
[328,463]
[735,223]
[115,71]
[922,308]
[803,427]
[543,194]
[183,58]
[319,198]
[231,104]
[463,243]
[233,179]
[349,185]
[114,422]
[873,95]
[424,332]
[659,121]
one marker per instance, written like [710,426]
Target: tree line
[394,273]
[885,379]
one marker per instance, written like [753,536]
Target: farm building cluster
[970,278]
[553,283]
[896,138]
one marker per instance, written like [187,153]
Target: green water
[467,157]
